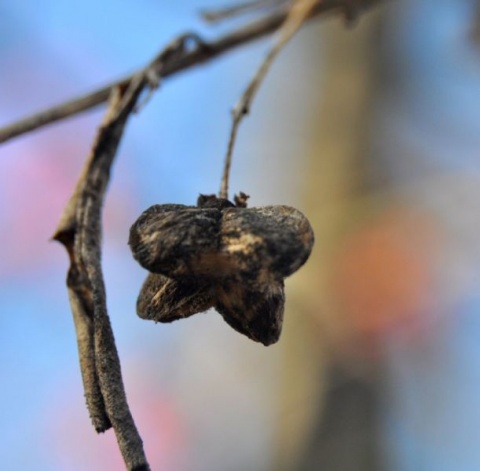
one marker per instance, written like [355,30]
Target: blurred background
[373,132]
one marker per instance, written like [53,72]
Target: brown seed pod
[174,239]
[164,299]
[272,242]
[255,310]
[220,255]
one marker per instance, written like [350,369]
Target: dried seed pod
[220,255]
[255,311]
[164,299]
[174,239]
[271,242]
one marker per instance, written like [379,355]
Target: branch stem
[298,13]
[211,50]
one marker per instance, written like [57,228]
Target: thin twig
[250,32]
[232,11]
[298,13]
[80,231]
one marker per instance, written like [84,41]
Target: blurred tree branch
[201,53]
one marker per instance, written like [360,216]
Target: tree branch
[80,231]
[200,54]
[232,11]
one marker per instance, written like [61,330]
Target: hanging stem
[298,13]
[228,158]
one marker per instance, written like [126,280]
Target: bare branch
[80,232]
[199,55]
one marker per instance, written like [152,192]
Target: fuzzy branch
[232,11]
[80,231]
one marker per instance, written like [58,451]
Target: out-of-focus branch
[232,11]
[202,53]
